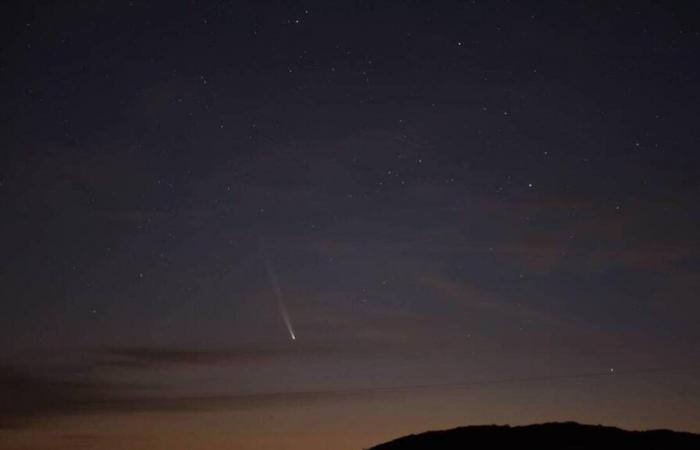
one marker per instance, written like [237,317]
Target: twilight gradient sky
[471,211]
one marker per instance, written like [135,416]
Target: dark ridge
[560,436]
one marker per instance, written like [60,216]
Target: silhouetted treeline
[551,436]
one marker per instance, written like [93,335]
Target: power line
[477,383]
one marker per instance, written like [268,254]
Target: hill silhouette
[560,436]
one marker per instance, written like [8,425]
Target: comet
[274,283]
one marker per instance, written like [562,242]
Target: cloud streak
[28,398]
[149,357]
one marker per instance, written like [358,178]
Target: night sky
[321,224]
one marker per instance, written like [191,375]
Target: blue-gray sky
[474,212]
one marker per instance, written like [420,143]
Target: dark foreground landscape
[569,435]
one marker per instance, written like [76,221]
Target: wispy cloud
[29,397]
[145,357]
[97,382]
